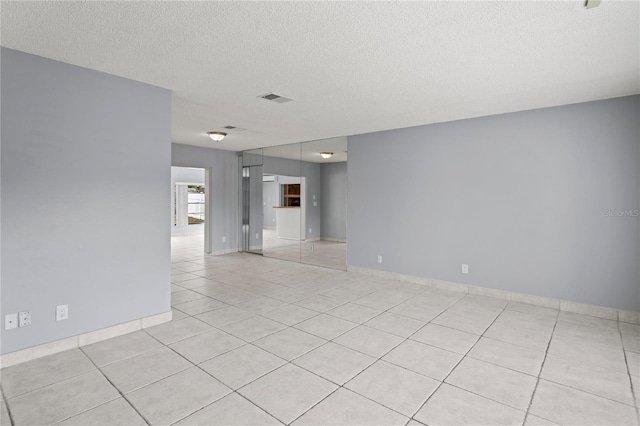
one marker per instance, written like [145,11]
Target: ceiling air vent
[275,98]
[234,128]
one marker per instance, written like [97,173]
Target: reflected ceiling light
[326,154]
[217,136]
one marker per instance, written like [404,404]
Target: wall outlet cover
[465,268]
[62,312]
[379,259]
[24,318]
[10,321]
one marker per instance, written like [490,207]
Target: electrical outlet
[10,321]
[379,259]
[62,312]
[315,204]
[24,318]
[309,230]
[257,236]
[465,268]
[224,239]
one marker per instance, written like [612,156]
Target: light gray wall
[184,175]
[334,200]
[271,198]
[311,171]
[522,198]
[77,146]
[223,190]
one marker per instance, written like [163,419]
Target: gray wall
[523,198]
[77,146]
[184,175]
[334,200]
[286,167]
[223,190]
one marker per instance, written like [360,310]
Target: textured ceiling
[351,67]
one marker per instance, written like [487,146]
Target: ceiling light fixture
[326,154]
[217,136]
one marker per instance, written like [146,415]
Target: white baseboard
[333,240]
[632,317]
[29,354]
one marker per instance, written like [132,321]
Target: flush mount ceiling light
[217,136]
[326,154]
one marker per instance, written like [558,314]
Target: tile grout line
[6,404]
[633,390]
[535,388]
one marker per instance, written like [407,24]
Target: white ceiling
[351,67]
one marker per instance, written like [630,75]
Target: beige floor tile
[420,358]
[469,322]
[596,380]
[564,405]
[369,341]
[253,328]
[394,387]
[290,314]
[354,312]
[453,406]
[289,343]
[261,305]
[421,313]
[207,345]
[633,363]
[28,376]
[537,421]
[326,326]
[224,316]
[232,410]
[446,338]
[491,381]
[241,366]
[185,296]
[177,396]
[174,331]
[199,306]
[588,353]
[534,339]
[62,400]
[134,373]
[347,408]
[287,392]
[319,303]
[334,362]
[589,333]
[177,315]
[119,348]
[519,358]
[395,324]
[114,413]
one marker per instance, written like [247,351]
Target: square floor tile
[588,353]
[178,315]
[224,316]
[446,338]
[491,381]
[199,306]
[589,378]
[139,371]
[529,338]
[290,314]
[418,312]
[532,420]
[119,348]
[369,341]
[519,358]
[420,358]
[232,410]
[114,413]
[287,392]
[394,387]
[319,303]
[185,296]
[564,405]
[334,362]
[62,400]
[174,331]
[261,305]
[463,321]
[44,371]
[454,406]
[253,328]
[177,396]
[206,346]
[241,366]
[354,312]
[326,326]
[347,408]
[289,343]
[589,333]
[395,324]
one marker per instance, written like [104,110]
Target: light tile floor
[258,341]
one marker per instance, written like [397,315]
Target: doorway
[189,210]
